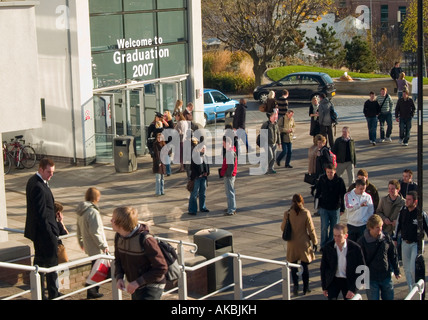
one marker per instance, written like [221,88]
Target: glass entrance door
[105,125]
[130,112]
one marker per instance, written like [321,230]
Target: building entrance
[129,111]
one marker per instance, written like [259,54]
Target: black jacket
[41,219]
[371,109]
[329,263]
[240,116]
[331,193]
[380,255]
[40,225]
[405,109]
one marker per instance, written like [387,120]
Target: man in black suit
[340,260]
[41,226]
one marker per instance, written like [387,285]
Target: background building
[105,67]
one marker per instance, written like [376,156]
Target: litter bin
[125,158]
[213,243]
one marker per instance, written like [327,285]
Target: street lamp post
[420,102]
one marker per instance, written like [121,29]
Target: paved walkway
[261,201]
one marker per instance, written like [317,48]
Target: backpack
[170,255]
[333,158]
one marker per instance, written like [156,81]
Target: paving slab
[261,200]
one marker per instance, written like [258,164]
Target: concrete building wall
[20,104]
[65,84]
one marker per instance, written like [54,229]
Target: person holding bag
[137,258]
[90,231]
[303,243]
[62,253]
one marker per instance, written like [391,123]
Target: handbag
[190,185]
[262,107]
[62,254]
[286,234]
[99,272]
[310,178]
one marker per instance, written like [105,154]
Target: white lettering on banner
[154,53]
[137,55]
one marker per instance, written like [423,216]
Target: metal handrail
[418,288]
[237,268]
[182,282]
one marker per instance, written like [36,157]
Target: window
[309,80]
[207,98]
[43,108]
[384,17]
[291,80]
[135,40]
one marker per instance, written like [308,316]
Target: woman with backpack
[323,155]
[140,260]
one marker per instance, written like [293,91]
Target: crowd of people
[379,232]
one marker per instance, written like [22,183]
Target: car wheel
[263,97]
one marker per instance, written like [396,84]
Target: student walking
[359,207]
[138,258]
[330,191]
[303,243]
[286,125]
[344,149]
[412,224]
[386,106]
[381,258]
[339,263]
[404,112]
[371,111]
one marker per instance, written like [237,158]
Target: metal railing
[237,276]
[35,284]
[418,288]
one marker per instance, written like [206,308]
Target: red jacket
[229,169]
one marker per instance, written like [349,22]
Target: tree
[326,45]
[410,27]
[259,27]
[359,57]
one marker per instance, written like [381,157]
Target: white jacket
[358,215]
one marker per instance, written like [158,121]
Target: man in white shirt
[359,207]
[340,260]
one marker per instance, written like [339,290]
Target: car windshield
[327,78]
[218,97]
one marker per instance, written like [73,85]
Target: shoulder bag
[286,234]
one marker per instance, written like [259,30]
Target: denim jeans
[286,152]
[388,118]
[385,287]
[159,184]
[271,157]
[405,126]
[229,187]
[147,293]
[328,219]
[199,190]
[409,251]
[372,126]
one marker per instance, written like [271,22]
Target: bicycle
[15,151]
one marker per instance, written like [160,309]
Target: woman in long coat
[302,245]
